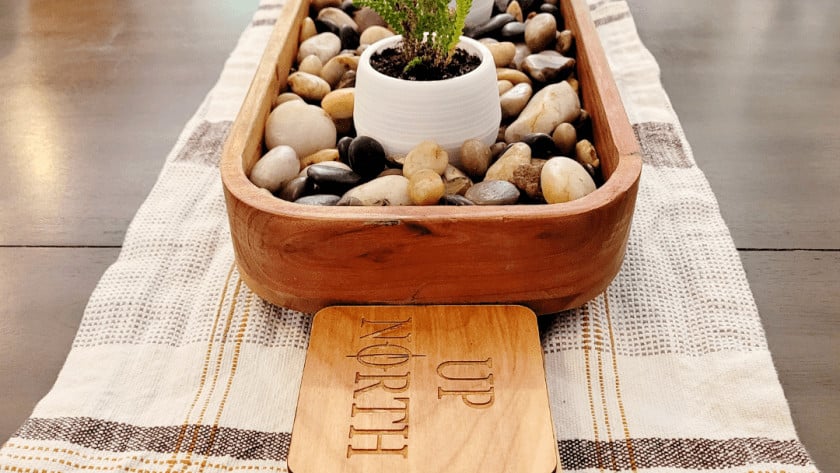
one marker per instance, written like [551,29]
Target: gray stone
[493,192]
[294,189]
[318,199]
[365,18]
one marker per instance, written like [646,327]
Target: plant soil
[391,63]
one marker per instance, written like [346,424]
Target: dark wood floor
[94,94]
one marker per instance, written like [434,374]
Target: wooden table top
[95,93]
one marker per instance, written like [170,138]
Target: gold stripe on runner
[218,367]
[240,335]
[599,345]
[205,367]
[628,439]
[587,366]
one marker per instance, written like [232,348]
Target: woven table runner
[178,366]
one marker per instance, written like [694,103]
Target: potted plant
[428,82]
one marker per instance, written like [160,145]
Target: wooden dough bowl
[546,257]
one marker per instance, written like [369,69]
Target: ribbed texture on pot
[399,113]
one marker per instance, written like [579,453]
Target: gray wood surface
[95,93]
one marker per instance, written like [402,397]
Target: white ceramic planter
[400,113]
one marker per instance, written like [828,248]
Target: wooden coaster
[456,389]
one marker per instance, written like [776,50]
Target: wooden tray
[546,257]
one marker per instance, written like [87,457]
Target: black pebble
[322,26]
[542,146]
[331,180]
[318,199]
[491,27]
[349,37]
[455,199]
[348,7]
[343,145]
[294,189]
[513,31]
[366,156]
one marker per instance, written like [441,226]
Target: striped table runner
[178,366]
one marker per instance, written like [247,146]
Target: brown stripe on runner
[119,437]
[661,145]
[612,18]
[694,454]
[204,146]
[270,6]
[264,22]
[577,454]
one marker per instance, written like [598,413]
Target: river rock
[540,31]
[491,27]
[318,199]
[516,155]
[306,128]
[455,181]
[564,42]
[504,86]
[455,199]
[492,192]
[564,137]
[335,68]
[514,100]
[309,87]
[512,75]
[332,164]
[551,106]
[585,153]
[526,178]
[522,52]
[294,189]
[513,31]
[553,10]
[326,27]
[347,80]
[339,103]
[564,180]
[374,33]
[320,4]
[386,190]
[349,37]
[502,53]
[515,10]
[366,156]
[277,167]
[283,98]
[425,187]
[548,66]
[311,65]
[365,18]
[343,145]
[323,45]
[307,29]
[475,158]
[337,17]
[541,144]
[320,157]
[426,155]
[331,179]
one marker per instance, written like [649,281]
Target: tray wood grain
[546,257]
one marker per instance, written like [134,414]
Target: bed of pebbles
[543,152]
